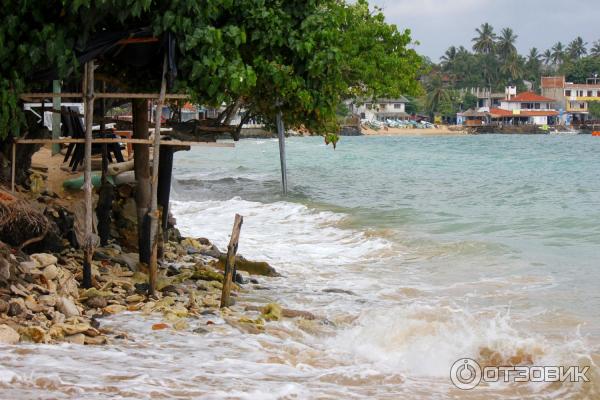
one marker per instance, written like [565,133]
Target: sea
[416,253]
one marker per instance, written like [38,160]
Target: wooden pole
[56,116]
[13,167]
[153,266]
[88,246]
[230,262]
[281,135]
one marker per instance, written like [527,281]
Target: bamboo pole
[230,261]
[153,267]
[88,246]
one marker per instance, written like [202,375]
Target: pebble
[8,335]
[67,307]
[44,259]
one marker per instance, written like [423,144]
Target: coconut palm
[448,57]
[485,41]
[513,67]
[547,57]
[595,50]
[577,48]
[506,43]
[436,94]
[534,55]
[558,53]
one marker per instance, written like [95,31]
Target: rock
[271,312]
[3,306]
[96,302]
[131,260]
[159,326]
[5,270]
[35,333]
[73,329]
[180,325]
[170,289]
[19,290]
[33,305]
[29,267]
[134,298]
[8,335]
[44,259]
[141,288]
[204,273]
[67,307]
[93,292]
[201,331]
[95,341]
[14,309]
[78,338]
[50,272]
[48,300]
[114,309]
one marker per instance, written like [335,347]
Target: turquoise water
[507,204]
[462,245]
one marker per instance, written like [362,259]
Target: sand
[440,130]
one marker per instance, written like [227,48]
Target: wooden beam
[230,261]
[124,141]
[150,96]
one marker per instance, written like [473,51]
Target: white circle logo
[465,374]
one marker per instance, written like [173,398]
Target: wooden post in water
[230,262]
[281,135]
[153,214]
[88,245]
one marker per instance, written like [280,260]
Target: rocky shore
[42,299]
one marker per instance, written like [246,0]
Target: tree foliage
[302,57]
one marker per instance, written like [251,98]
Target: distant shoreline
[441,130]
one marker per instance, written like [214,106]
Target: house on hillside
[381,109]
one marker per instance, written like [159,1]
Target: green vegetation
[494,63]
[303,57]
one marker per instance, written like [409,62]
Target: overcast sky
[439,24]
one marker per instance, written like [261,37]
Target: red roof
[499,113]
[530,97]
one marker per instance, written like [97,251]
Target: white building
[381,109]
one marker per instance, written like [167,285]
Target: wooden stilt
[281,135]
[13,167]
[88,246]
[154,231]
[230,262]
[164,185]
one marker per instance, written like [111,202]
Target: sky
[439,24]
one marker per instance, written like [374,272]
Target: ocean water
[415,252]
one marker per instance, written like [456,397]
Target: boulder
[15,308]
[8,335]
[96,302]
[3,306]
[44,259]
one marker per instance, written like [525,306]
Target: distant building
[573,98]
[381,109]
[526,108]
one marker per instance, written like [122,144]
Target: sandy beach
[440,130]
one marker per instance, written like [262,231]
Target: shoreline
[440,130]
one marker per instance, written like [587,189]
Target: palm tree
[534,55]
[448,57]
[506,43]
[547,57]
[485,41]
[558,54]
[577,48]
[595,51]
[513,67]
[436,94]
